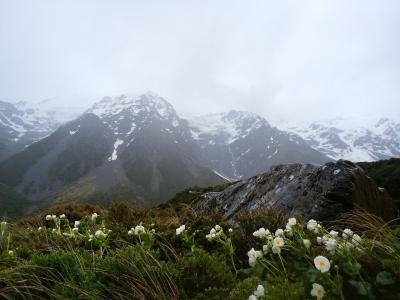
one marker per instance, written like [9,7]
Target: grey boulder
[318,192]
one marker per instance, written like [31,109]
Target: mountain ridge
[345,138]
[140,145]
[152,156]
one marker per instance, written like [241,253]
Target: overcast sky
[299,60]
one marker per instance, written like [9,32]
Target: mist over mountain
[138,146]
[241,144]
[355,139]
[136,143]
[20,126]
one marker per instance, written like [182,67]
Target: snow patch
[114,155]
[223,176]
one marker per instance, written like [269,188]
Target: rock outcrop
[319,192]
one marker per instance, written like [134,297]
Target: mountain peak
[244,116]
[128,114]
[148,102]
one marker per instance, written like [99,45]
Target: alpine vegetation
[127,252]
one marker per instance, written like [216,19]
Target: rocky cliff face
[314,192]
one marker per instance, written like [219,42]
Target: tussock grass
[100,260]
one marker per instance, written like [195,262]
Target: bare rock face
[319,192]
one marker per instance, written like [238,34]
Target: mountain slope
[137,143]
[12,204]
[20,127]
[152,144]
[64,156]
[242,144]
[343,138]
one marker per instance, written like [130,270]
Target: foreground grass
[84,252]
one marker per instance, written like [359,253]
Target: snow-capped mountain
[353,139]
[129,116]
[56,109]
[241,144]
[21,126]
[23,123]
[135,146]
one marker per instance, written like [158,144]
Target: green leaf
[384,278]
[257,270]
[351,268]
[313,275]
[300,266]
[363,288]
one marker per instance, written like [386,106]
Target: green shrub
[200,271]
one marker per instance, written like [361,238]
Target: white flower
[356,239]
[48,217]
[278,242]
[130,232]
[53,217]
[99,233]
[307,243]
[230,230]
[63,216]
[313,226]
[40,228]
[75,229]
[347,233]
[76,224]
[319,240]
[260,291]
[139,229]
[289,230]
[180,229]
[265,249]
[330,245]
[94,217]
[322,263]
[261,233]
[334,233]
[292,221]
[253,256]
[210,236]
[53,230]
[10,252]
[279,232]
[215,232]
[252,297]
[318,291]
[276,250]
